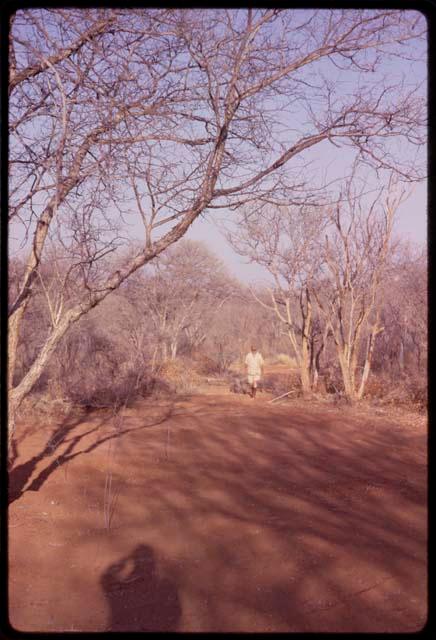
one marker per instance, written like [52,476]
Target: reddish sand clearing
[219,513]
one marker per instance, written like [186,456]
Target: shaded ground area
[220,513]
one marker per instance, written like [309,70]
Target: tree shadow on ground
[269,520]
[139,598]
[336,508]
[64,435]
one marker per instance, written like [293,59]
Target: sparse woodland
[155,117]
[159,333]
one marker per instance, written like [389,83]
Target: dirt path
[220,513]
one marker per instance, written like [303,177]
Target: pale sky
[411,224]
[325,163]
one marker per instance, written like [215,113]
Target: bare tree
[356,248]
[180,294]
[403,345]
[237,324]
[168,113]
[285,241]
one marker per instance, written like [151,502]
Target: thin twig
[283,395]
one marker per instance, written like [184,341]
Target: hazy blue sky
[411,223]
[326,163]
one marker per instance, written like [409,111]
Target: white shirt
[254,362]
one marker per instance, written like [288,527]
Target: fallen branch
[283,395]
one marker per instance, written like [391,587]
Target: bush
[39,404]
[180,376]
[330,380]
[239,384]
[277,384]
[111,388]
[377,387]
[400,391]
[204,365]
[418,392]
[115,391]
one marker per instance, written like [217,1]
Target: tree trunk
[305,375]
[13,337]
[347,377]
[367,365]
[153,359]
[352,370]
[315,376]
[173,350]
[306,312]
[317,357]
[305,365]
[164,351]
[368,360]
[401,356]
[18,393]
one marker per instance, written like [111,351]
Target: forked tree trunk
[306,311]
[368,360]
[305,368]
[347,378]
[154,358]
[315,376]
[316,357]
[305,381]
[305,361]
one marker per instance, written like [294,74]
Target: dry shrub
[161,388]
[94,390]
[205,365]
[41,404]
[50,401]
[418,393]
[240,384]
[180,376]
[406,391]
[125,391]
[378,387]
[330,381]
[277,384]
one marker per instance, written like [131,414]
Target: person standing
[254,367]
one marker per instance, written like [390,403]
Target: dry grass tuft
[284,358]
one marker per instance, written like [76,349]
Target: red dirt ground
[220,513]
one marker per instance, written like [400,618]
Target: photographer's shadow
[139,599]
